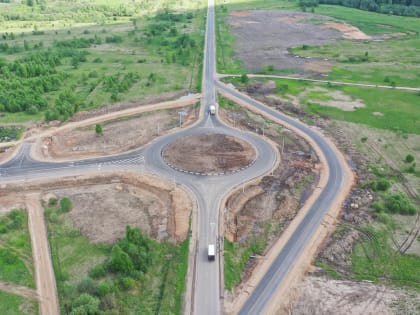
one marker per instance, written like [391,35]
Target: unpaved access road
[44,273]
[18,290]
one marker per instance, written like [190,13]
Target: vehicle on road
[211,253]
[212,110]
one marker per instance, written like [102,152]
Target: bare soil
[319,295]
[118,135]
[265,208]
[263,38]
[154,205]
[209,153]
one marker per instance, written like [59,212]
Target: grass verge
[12,304]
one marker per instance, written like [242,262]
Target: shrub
[409,158]
[65,204]
[126,283]
[97,271]
[87,285]
[52,202]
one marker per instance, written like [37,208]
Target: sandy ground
[321,296]
[260,39]
[44,272]
[210,153]
[153,204]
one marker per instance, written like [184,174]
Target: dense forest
[394,7]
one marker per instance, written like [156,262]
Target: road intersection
[208,190]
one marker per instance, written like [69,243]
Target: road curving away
[287,261]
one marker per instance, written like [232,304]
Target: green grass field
[11,304]
[83,268]
[16,265]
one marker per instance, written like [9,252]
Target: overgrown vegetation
[374,259]
[57,73]
[10,133]
[15,249]
[12,304]
[135,275]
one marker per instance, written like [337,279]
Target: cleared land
[117,136]
[210,153]
[84,238]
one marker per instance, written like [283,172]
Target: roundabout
[209,154]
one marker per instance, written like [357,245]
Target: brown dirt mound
[209,153]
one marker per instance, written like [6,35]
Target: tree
[244,78]
[120,261]
[98,129]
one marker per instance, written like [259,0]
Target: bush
[52,202]
[409,158]
[65,204]
[399,203]
[85,304]
[97,271]
[87,285]
[126,283]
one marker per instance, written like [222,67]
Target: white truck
[211,252]
[212,110]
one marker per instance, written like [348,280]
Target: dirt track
[18,290]
[44,272]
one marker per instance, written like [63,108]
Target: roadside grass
[397,110]
[16,265]
[235,258]
[83,268]
[370,61]
[163,62]
[374,259]
[12,304]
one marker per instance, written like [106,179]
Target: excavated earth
[209,153]
[104,204]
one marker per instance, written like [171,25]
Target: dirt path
[18,290]
[44,273]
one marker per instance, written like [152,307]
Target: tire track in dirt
[18,290]
[44,273]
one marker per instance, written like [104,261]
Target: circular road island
[209,154]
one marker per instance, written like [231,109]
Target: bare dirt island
[117,136]
[157,207]
[264,37]
[209,153]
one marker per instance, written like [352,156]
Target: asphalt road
[209,190]
[267,287]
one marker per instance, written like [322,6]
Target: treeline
[396,7]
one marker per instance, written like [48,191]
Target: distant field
[104,53]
